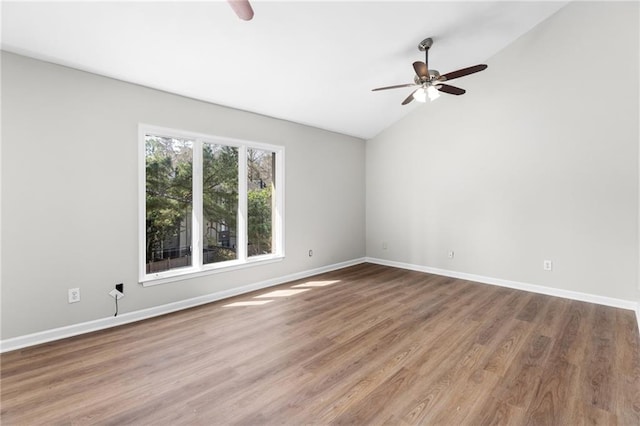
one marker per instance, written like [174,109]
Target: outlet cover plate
[74,295]
[116,294]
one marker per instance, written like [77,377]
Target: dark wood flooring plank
[600,361]
[533,308]
[554,395]
[500,359]
[523,376]
[572,337]
[627,367]
[495,412]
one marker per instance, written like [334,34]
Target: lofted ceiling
[308,62]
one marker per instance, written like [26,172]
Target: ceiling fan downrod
[424,46]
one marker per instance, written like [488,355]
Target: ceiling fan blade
[421,69]
[410,97]
[242,8]
[453,90]
[393,87]
[462,72]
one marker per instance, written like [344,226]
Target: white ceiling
[309,62]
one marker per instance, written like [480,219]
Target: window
[207,203]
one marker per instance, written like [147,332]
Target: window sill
[188,273]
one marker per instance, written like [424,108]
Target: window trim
[197,269]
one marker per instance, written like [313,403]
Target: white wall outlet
[450,254]
[310,253]
[547,265]
[74,295]
[116,294]
[384,245]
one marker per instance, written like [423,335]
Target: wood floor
[364,345]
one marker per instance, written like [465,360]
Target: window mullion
[278,211]
[242,238]
[196,231]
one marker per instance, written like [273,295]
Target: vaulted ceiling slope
[313,63]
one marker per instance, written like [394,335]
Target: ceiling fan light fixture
[420,95]
[433,93]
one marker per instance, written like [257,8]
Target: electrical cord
[116,314]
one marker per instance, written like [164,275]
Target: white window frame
[197,268]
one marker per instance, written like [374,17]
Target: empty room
[320,212]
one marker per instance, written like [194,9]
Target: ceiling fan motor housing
[433,75]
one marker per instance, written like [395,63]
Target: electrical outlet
[450,254]
[384,245]
[310,253]
[547,265]
[120,288]
[116,294]
[74,295]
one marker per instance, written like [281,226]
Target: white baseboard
[550,291]
[99,324]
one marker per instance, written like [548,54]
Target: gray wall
[69,193]
[539,160]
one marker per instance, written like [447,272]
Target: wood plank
[495,412]
[600,361]
[554,394]
[627,383]
[523,377]
[570,342]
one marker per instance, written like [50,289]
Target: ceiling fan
[429,81]
[242,8]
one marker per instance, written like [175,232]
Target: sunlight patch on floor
[283,293]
